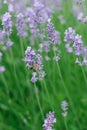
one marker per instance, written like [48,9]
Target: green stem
[38,101]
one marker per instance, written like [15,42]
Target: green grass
[22,106]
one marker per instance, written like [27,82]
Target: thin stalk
[38,101]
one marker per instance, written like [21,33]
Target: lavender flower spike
[34,62]
[78,44]
[69,38]
[64,107]
[7,23]
[21,25]
[53,35]
[49,121]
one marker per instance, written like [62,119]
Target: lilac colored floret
[69,39]
[7,23]
[21,26]
[78,44]
[69,35]
[49,121]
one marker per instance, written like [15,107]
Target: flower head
[7,23]
[64,107]
[49,121]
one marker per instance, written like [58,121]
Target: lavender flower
[78,43]
[64,107]
[2,69]
[37,16]
[69,39]
[7,45]
[7,23]
[80,17]
[56,58]
[53,35]
[34,62]
[3,36]
[31,19]
[51,32]
[82,62]
[49,121]
[21,26]
[15,6]
[0,56]
[44,47]
[34,77]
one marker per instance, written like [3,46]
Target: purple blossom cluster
[69,39]
[5,41]
[21,26]
[82,18]
[53,35]
[74,43]
[15,6]
[34,62]
[7,23]
[37,16]
[49,121]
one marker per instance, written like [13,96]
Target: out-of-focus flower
[7,23]
[7,45]
[21,25]
[56,58]
[80,17]
[78,44]
[0,56]
[69,39]
[82,62]
[2,69]
[44,47]
[64,107]
[49,121]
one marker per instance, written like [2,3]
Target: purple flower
[47,58]
[84,57]
[69,39]
[78,43]
[64,107]
[7,23]
[34,77]
[2,69]
[21,26]
[49,121]
[56,58]
[0,56]
[53,35]
[44,47]
[3,36]
[34,62]
[31,19]
[15,6]
[29,57]
[7,45]
[80,17]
